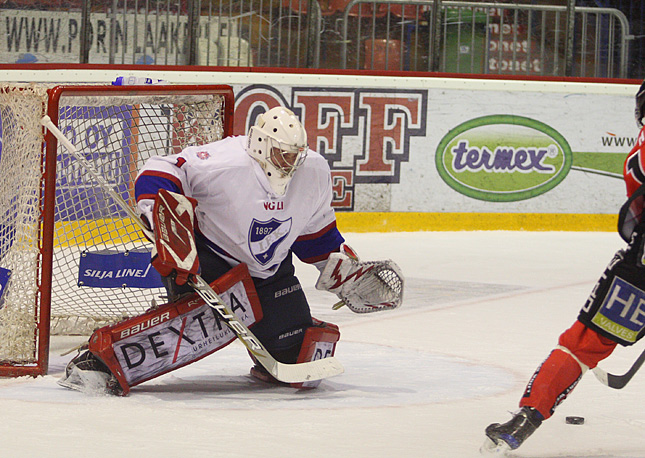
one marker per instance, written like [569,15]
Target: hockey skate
[88,374]
[501,438]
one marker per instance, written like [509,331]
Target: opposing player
[611,316]
[259,199]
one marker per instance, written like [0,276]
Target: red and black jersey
[634,168]
[631,212]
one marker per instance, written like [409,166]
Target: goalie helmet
[278,141]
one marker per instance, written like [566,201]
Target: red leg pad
[176,334]
[319,342]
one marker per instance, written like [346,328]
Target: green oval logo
[503,158]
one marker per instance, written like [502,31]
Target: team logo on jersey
[265,236]
[203,155]
[621,313]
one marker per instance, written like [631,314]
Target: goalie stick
[619,381]
[287,373]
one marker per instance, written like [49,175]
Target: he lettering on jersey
[622,313]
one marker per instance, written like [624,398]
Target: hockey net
[70,258]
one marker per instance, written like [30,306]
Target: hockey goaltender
[225,219]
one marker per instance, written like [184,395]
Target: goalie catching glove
[173,221]
[364,287]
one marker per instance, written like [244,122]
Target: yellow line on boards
[416,221]
[94,232]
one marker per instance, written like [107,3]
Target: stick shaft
[619,381]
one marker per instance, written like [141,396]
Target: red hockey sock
[551,383]
[560,372]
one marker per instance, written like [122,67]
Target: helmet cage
[286,158]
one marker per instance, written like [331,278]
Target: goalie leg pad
[174,335]
[319,342]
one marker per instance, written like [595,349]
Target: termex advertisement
[486,147]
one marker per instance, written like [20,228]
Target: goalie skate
[87,374]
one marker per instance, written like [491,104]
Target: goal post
[71,260]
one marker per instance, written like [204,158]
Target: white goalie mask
[278,141]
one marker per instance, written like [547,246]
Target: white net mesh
[116,134]
[20,175]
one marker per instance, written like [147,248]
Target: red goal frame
[48,196]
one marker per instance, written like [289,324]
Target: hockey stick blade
[619,381]
[287,373]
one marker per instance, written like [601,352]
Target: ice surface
[481,311]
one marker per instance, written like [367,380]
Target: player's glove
[364,287]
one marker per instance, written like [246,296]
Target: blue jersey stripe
[148,184]
[318,248]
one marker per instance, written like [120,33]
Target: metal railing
[493,38]
[415,35]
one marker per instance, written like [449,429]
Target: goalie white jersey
[239,214]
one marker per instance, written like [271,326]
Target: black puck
[575,420]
